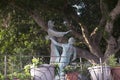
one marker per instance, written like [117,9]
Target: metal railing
[15,64]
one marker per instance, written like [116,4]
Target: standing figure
[53,34]
[68,52]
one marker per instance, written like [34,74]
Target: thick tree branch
[87,55]
[93,47]
[118,44]
[85,35]
[35,15]
[97,32]
[88,41]
[104,8]
[116,11]
[112,46]
[112,17]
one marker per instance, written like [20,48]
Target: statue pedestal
[44,72]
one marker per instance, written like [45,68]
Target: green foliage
[70,68]
[35,63]
[1,76]
[15,38]
[27,68]
[112,61]
[56,66]
[20,75]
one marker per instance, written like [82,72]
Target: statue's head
[50,24]
[71,40]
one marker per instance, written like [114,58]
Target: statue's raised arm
[52,32]
[56,43]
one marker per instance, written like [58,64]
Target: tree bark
[87,55]
[111,41]
[35,15]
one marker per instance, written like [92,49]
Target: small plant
[70,68]
[20,75]
[35,63]
[1,76]
[27,69]
[56,67]
[112,61]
